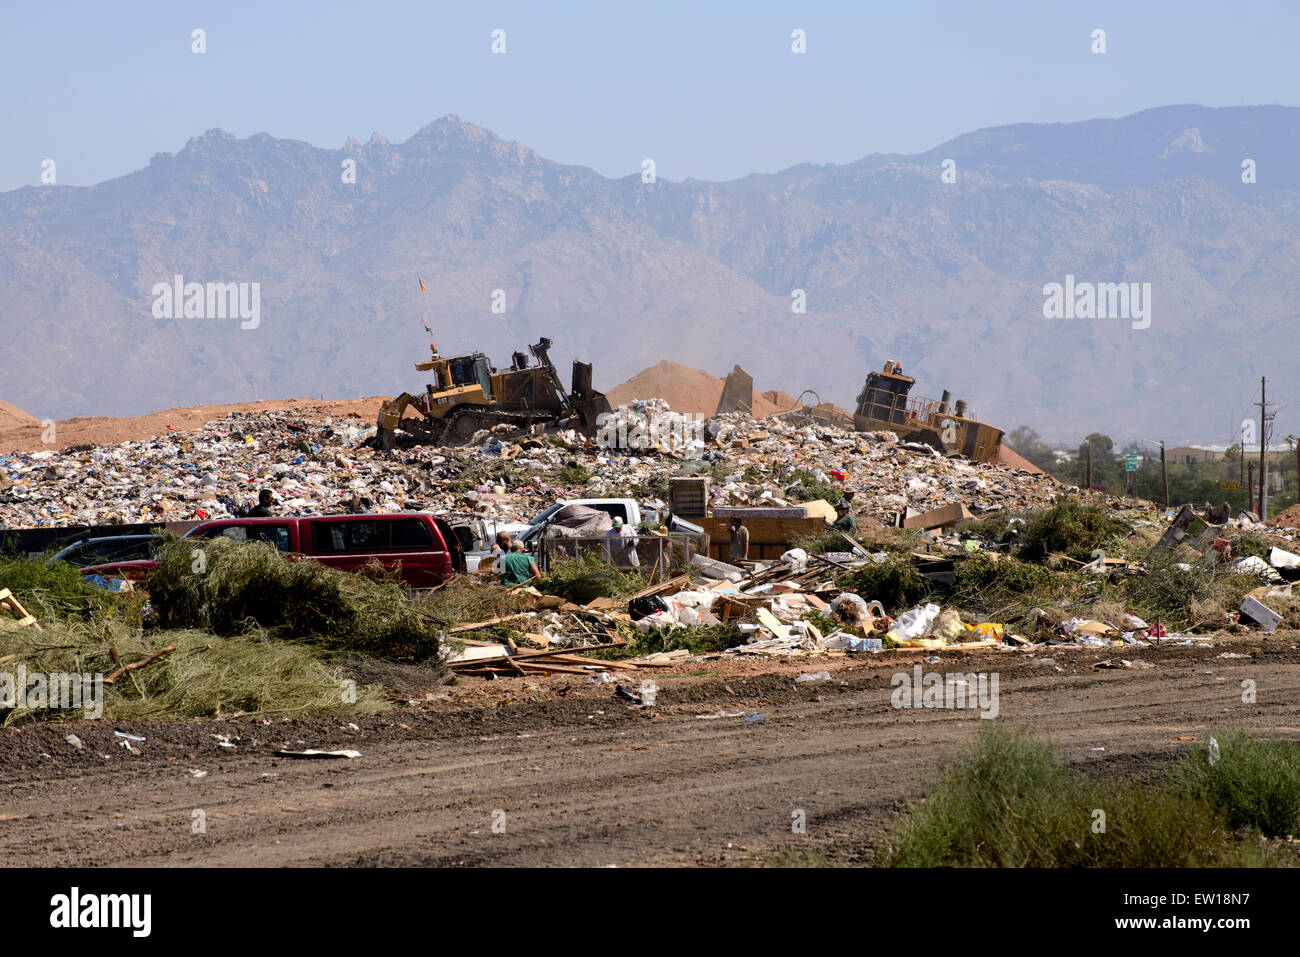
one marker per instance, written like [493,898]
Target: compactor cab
[886,402]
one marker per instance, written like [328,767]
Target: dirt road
[570,775]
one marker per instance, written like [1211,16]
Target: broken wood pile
[504,657]
[13,605]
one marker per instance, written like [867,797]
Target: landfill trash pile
[791,606]
[316,466]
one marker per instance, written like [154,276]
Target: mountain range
[938,260]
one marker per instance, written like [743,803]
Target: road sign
[1131,463]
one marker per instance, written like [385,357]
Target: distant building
[1188,454]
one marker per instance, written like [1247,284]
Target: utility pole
[1263,448]
[1250,488]
[1164,473]
[1164,468]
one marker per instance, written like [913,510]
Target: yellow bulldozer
[468,394]
[884,403]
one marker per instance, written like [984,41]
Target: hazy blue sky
[709,90]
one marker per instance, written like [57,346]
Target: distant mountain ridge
[892,261]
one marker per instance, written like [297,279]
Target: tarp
[578,521]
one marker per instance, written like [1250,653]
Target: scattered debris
[314,753]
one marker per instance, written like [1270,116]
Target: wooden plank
[474,626]
[25,617]
[494,651]
[524,655]
[580,660]
[770,622]
[664,587]
[534,666]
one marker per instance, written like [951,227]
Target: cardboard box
[938,517]
[1265,617]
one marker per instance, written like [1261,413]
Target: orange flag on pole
[421,282]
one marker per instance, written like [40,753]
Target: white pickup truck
[477,535]
[625,508]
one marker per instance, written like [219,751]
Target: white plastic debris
[914,623]
[814,676]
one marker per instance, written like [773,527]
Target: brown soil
[12,417]
[690,390]
[586,779]
[19,435]
[1287,518]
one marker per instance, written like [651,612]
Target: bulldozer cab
[467,370]
[455,372]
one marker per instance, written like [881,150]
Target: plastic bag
[914,623]
[660,619]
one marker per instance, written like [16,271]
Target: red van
[421,548]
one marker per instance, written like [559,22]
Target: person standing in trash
[622,553]
[263,507]
[739,540]
[844,518]
[520,569]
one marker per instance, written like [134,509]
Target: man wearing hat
[622,553]
[844,518]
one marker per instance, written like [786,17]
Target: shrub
[52,589]
[1013,803]
[1072,528]
[206,676]
[1256,783]
[1179,596]
[997,588]
[586,577]
[237,587]
[895,583]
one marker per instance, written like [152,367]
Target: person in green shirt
[844,520]
[520,569]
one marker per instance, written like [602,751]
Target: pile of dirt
[12,417]
[1287,518]
[781,401]
[19,434]
[690,390]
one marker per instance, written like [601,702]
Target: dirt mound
[25,435]
[689,390]
[1287,518]
[781,401]
[12,417]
